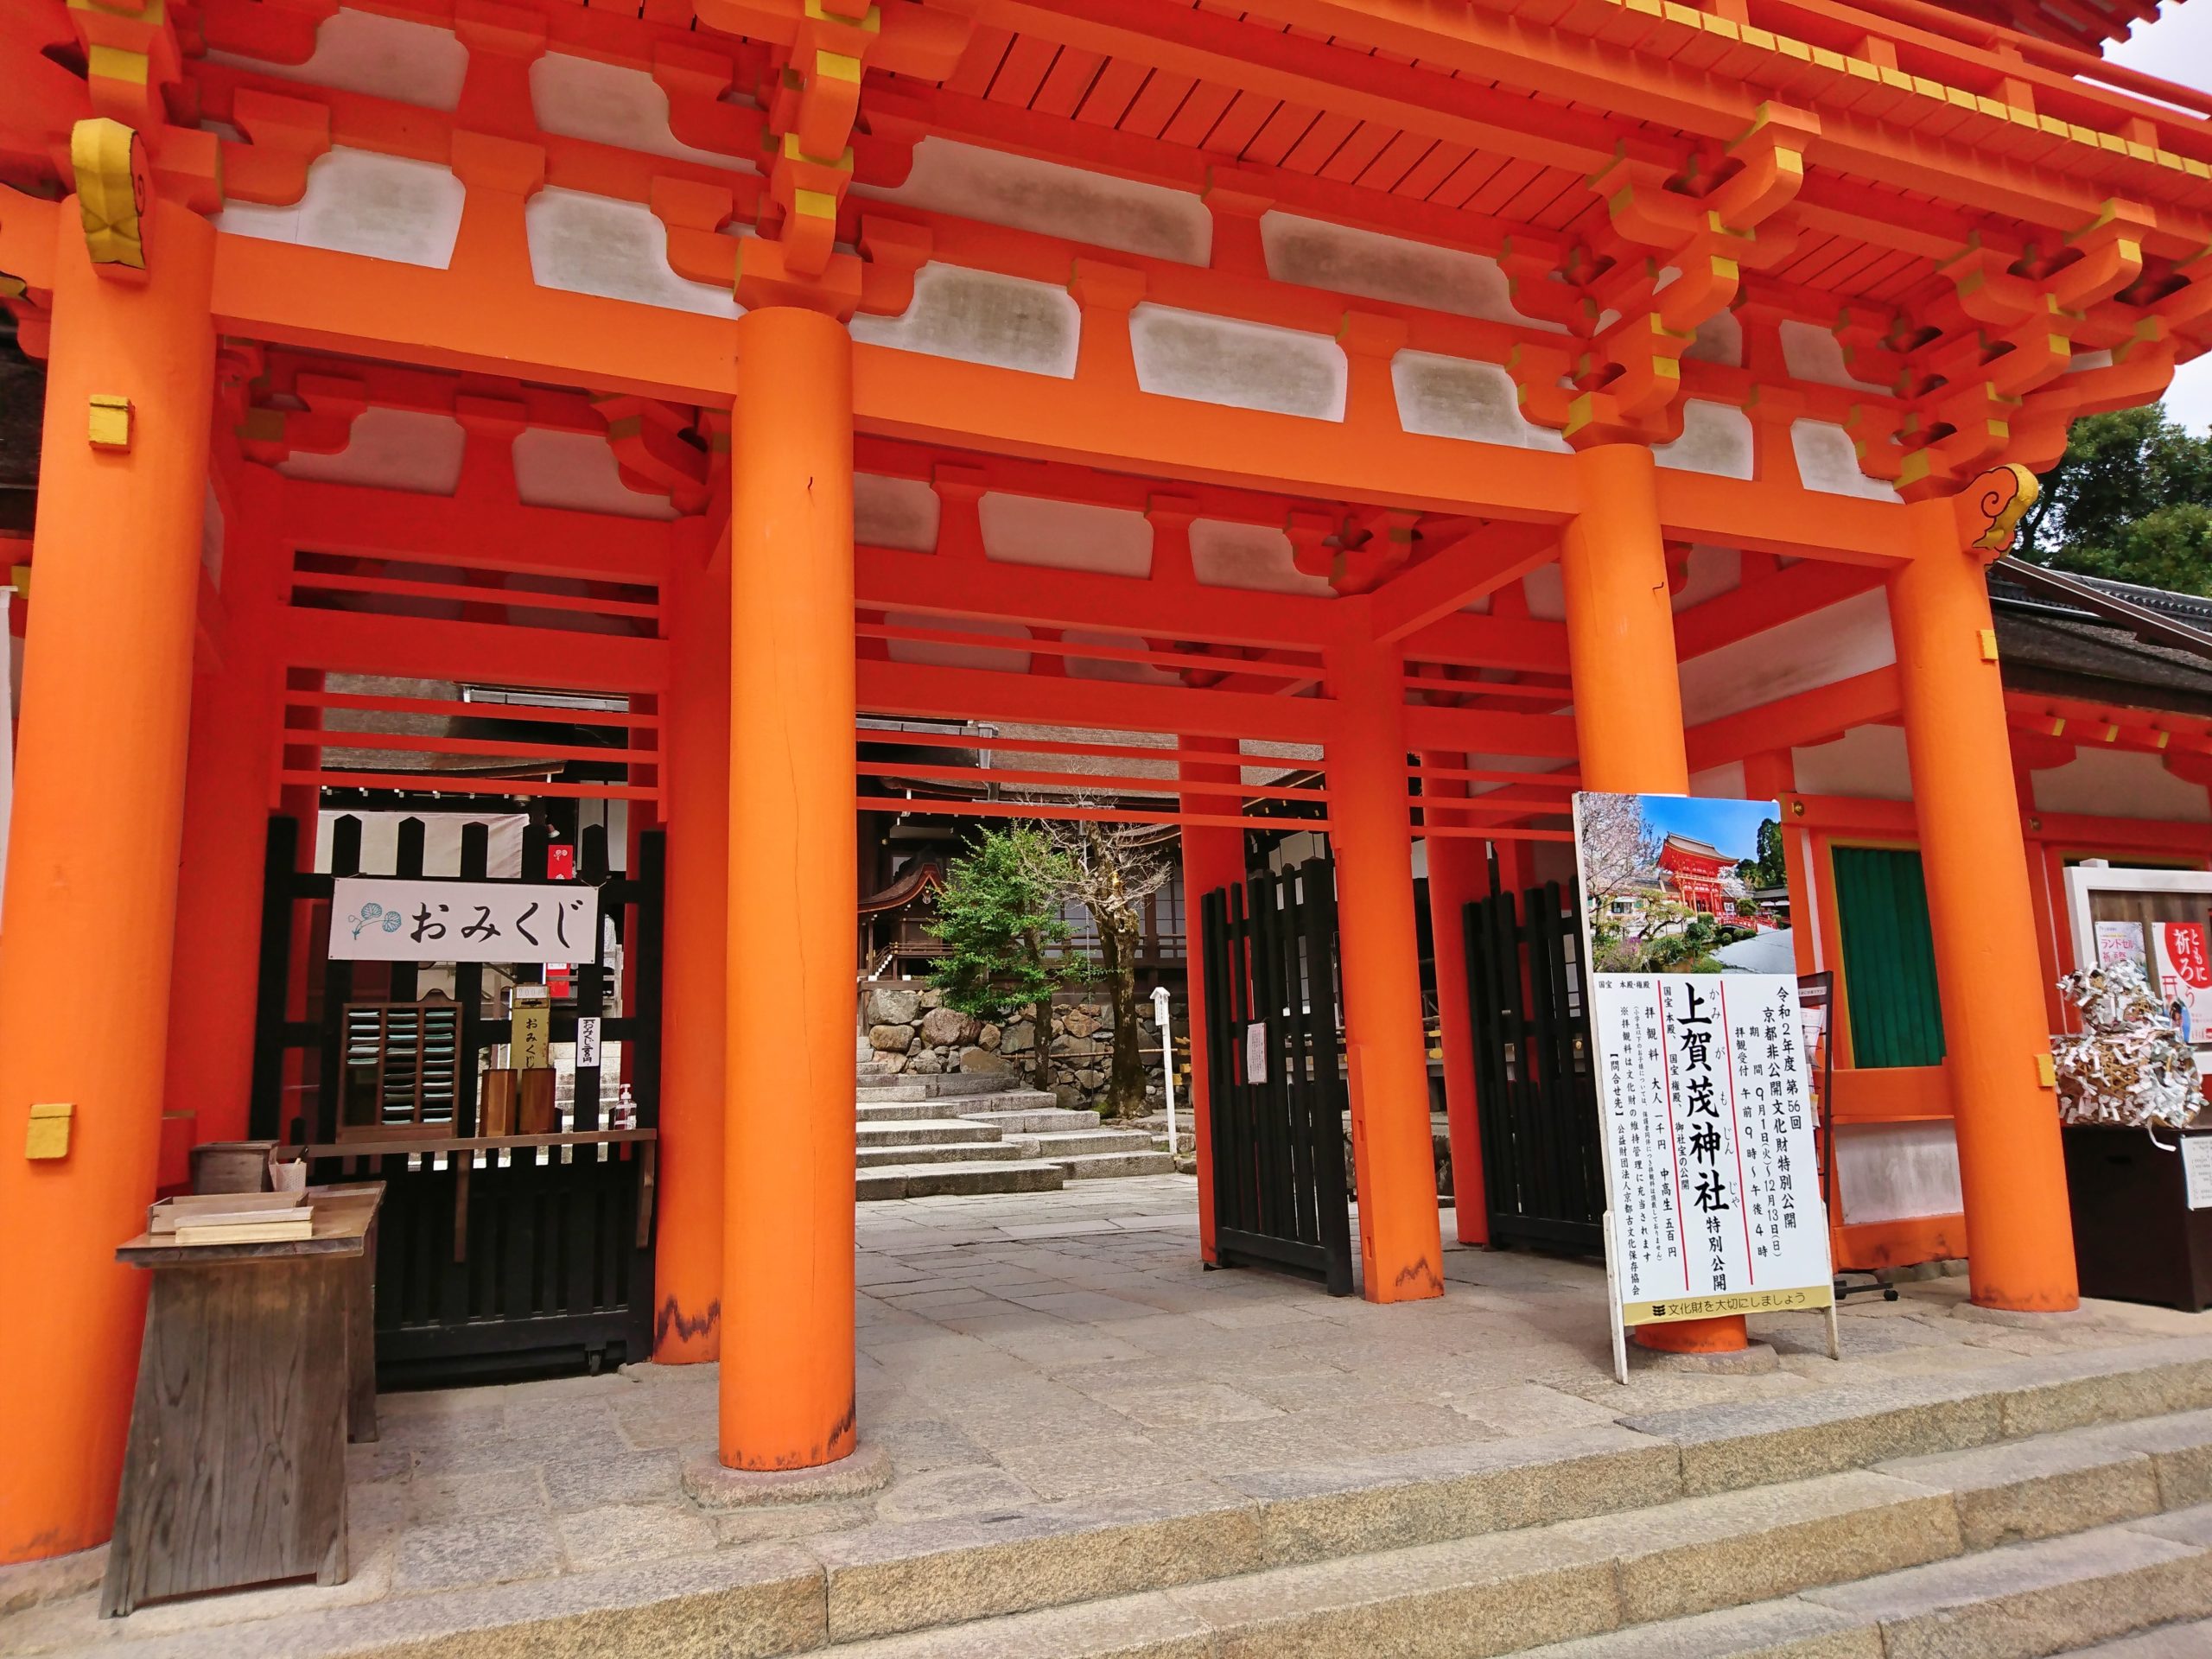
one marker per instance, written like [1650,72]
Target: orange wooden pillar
[1995,1032]
[237,708]
[1401,1240]
[1213,856]
[1628,703]
[1457,876]
[92,873]
[694,1007]
[787,1261]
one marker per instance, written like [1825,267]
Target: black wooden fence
[1535,1075]
[543,1262]
[1271,991]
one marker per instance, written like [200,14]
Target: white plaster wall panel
[1715,439]
[1459,397]
[358,201]
[1721,783]
[1828,461]
[979,316]
[2081,360]
[1811,353]
[1065,535]
[583,244]
[2104,783]
[578,470]
[1346,260]
[1224,554]
[1214,359]
[1869,762]
[1096,668]
[390,449]
[610,104]
[935,655]
[1712,571]
[1719,340]
[900,513]
[1545,590]
[971,181]
[384,57]
[440,838]
[1892,1172]
[1829,644]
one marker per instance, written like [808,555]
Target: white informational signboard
[2197,1171]
[1256,1052]
[385,919]
[587,1042]
[1712,1173]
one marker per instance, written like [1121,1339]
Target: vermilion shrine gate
[1569,393]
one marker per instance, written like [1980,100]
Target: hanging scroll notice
[385,919]
[1705,1091]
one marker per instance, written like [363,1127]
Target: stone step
[941,1180]
[1076,1142]
[1694,1533]
[1044,1120]
[1106,1166]
[895,1111]
[957,1152]
[2192,1640]
[2028,1600]
[1468,1598]
[923,1132]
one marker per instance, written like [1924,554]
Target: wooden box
[2135,1237]
[232,1165]
[535,1113]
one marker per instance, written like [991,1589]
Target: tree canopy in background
[999,920]
[2130,501]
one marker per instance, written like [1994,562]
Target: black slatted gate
[1270,961]
[530,1260]
[1535,1092]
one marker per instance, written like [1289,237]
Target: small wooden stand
[258,1365]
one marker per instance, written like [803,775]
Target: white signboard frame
[389,918]
[1712,1201]
[1744,1091]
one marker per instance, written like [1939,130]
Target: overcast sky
[2178,47]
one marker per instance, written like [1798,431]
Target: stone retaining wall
[906,1025]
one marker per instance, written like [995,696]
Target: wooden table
[258,1364]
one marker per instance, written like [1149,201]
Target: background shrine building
[1483,402]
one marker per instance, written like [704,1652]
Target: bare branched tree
[1111,869]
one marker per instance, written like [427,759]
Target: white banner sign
[385,919]
[587,1042]
[1712,1175]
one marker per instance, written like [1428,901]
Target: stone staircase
[2054,1506]
[970,1132]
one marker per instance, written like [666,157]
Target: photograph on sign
[390,919]
[1706,1082]
[1676,884]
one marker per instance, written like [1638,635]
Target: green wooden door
[1889,957]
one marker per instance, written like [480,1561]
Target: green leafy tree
[998,918]
[2130,501]
[1767,869]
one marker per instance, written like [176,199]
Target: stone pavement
[1022,1357]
